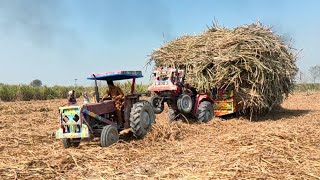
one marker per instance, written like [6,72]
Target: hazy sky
[57,41]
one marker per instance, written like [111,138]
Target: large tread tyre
[141,118]
[157,104]
[205,112]
[185,104]
[76,144]
[67,143]
[109,136]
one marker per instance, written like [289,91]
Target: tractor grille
[162,83]
[70,119]
[75,128]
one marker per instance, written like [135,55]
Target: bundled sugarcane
[251,59]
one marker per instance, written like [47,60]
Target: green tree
[315,73]
[36,83]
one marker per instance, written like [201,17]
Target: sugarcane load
[251,60]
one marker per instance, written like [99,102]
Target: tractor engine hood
[100,108]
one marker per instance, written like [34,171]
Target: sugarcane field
[159,90]
[281,145]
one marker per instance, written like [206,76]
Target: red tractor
[99,119]
[169,88]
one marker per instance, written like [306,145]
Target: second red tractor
[169,88]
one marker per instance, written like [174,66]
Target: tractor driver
[117,95]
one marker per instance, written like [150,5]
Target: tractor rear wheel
[109,136]
[67,143]
[205,112]
[141,118]
[157,104]
[184,103]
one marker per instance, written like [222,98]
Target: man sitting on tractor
[71,98]
[86,99]
[116,94]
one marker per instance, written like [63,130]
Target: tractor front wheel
[205,112]
[141,118]
[109,136]
[67,143]
[157,104]
[185,104]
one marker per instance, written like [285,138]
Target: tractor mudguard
[199,99]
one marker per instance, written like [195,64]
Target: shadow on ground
[273,115]
[276,114]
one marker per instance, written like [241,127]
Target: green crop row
[27,92]
[305,87]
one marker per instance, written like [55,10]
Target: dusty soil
[285,144]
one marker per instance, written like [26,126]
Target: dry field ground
[282,145]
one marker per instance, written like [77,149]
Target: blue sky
[57,41]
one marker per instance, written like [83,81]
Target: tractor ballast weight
[99,119]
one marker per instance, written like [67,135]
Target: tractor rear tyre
[67,143]
[109,136]
[141,118]
[184,103]
[157,104]
[205,112]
